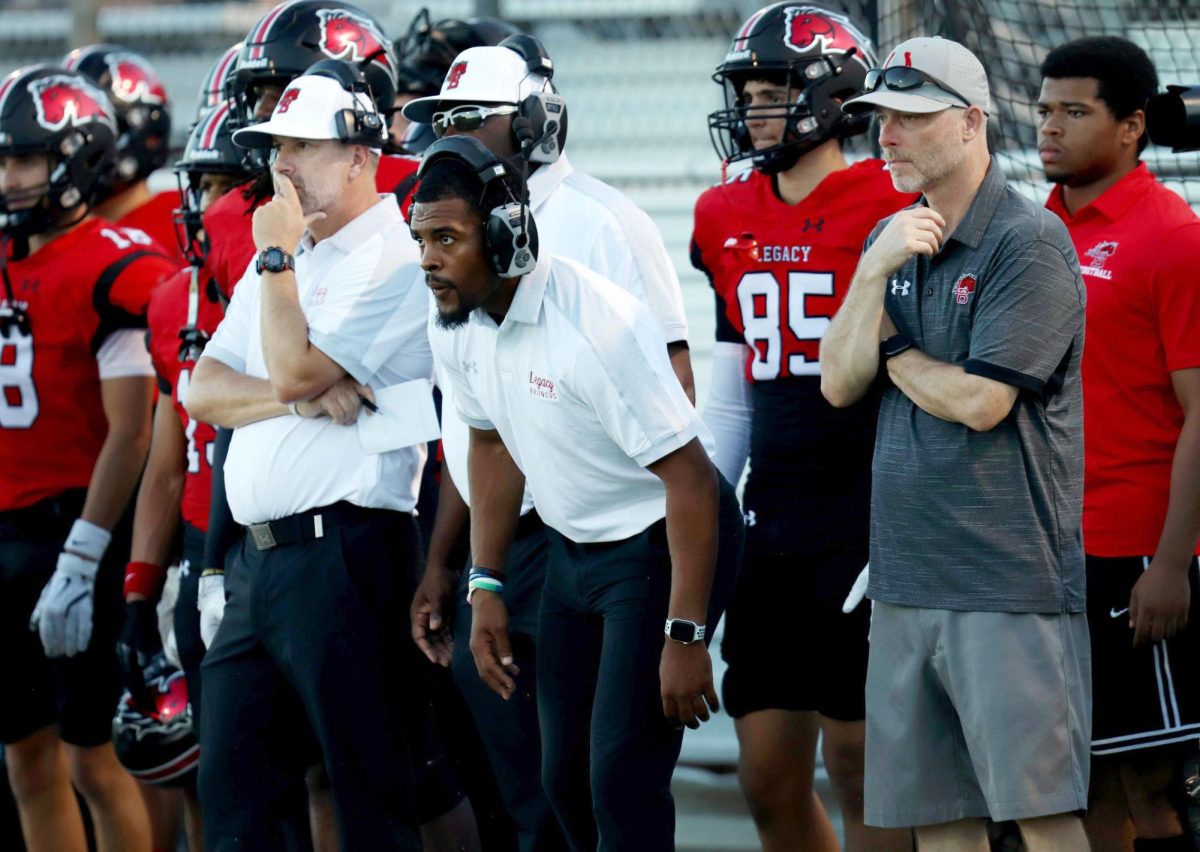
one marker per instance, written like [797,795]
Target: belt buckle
[264,539]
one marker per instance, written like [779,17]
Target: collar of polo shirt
[546,179]
[975,222]
[526,305]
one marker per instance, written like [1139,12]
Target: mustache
[430,278]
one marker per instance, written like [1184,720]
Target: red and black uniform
[167,318]
[779,273]
[73,293]
[157,218]
[1137,246]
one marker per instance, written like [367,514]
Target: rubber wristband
[486,584]
[144,578]
[212,572]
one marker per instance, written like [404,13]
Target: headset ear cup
[512,251]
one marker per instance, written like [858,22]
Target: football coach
[329,309]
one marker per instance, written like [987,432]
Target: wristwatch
[893,346]
[274,259]
[683,631]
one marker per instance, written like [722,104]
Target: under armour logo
[899,289]
[817,226]
[751,518]
[470,366]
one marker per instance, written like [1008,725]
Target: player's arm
[685,671]
[127,404]
[850,346]
[435,592]
[1161,598]
[497,489]
[156,512]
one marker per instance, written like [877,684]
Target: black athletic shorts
[1141,697]
[79,693]
[788,645]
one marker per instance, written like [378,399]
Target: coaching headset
[357,126]
[540,124]
[510,235]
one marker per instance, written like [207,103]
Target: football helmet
[295,35]
[427,50]
[63,114]
[823,58]
[152,729]
[212,90]
[143,111]
[209,150]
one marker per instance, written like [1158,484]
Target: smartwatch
[893,346]
[274,259]
[683,631]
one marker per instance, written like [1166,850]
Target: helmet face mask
[209,151]
[821,58]
[63,115]
[152,731]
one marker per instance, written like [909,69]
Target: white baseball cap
[479,75]
[954,78]
[307,109]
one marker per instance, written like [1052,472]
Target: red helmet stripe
[171,769]
[748,27]
[264,27]
[208,137]
[221,71]
[6,87]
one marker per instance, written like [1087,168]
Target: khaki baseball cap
[954,71]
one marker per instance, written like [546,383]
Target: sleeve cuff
[485,425]
[664,446]
[977,367]
[229,359]
[328,344]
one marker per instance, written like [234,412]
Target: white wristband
[88,540]
[292,408]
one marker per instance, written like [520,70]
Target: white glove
[858,591]
[210,600]
[166,614]
[63,615]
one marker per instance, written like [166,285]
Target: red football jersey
[89,282]
[782,270]
[167,316]
[157,218]
[1137,245]
[227,222]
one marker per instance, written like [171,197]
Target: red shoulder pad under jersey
[157,218]
[228,223]
[167,317]
[75,291]
[782,270]
[395,170]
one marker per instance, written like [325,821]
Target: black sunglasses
[902,78]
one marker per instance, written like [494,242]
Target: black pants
[311,640]
[509,729]
[187,617]
[608,750]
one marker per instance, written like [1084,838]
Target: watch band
[894,345]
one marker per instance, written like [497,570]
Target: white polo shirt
[366,310]
[586,220]
[595,224]
[578,383]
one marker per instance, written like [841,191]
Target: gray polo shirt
[988,521]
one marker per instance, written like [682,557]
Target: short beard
[450,320]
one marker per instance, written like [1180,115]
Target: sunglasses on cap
[467,117]
[902,78]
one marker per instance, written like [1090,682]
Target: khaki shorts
[976,714]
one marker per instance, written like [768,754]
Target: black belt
[310,525]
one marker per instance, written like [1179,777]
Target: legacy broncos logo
[542,387]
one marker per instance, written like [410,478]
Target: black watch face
[274,259]
[682,631]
